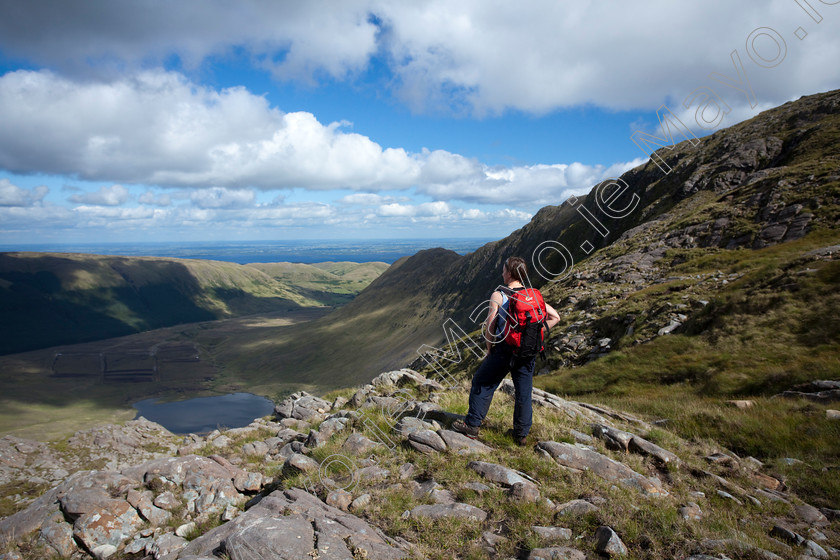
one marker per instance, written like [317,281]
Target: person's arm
[551,316]
[490,323]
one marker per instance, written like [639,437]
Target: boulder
[426,441]
[582,459]
[462,444]
[444,511]
[357,444]
[112,524]
[552,534]
[608,543]
[500,474]
[576,507]
[303,463]
[302,406]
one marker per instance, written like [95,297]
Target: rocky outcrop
[156,507]
[293,524]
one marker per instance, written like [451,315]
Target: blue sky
[261,120]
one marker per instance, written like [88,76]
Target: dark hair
[517,268]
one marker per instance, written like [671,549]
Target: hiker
[503,358]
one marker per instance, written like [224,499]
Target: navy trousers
[486,380]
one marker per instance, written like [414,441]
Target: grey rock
[340,499]
[113,524]
[248,481]
[104,551]
[741,547]
[167,544]
[427,439]
[422,490]
[373,473]
[301,406]
[167,501]
[332,426]
[525,492]
[138,545]
[576,507]
[360,502]
[409,424]
[357,444]
[608,542]
[690,512]
[291,449]
[442,511]
[811,515]
[500,474]
[142,502]
[406,471]
[556,553]
[255,449]
[815,550]
[399,378]
[269,530]
[727,496]
[462,444]
[580,437]
[184,530]
[221,442]
[580,459]
[58,535]
[30,519]
[303,463]
[613,438]
[644,447]
[553,534]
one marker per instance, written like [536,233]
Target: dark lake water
[205,414]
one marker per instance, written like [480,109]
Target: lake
[205,414]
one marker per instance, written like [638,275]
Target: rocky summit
[376,473]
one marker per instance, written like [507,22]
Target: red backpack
[526,319]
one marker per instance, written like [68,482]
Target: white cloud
[481,57]
[12,195]
[157,128]
[223,198]
[151,199]
[368,199]
[523,186]
[423,210]
[115,195]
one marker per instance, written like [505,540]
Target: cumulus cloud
[152,199]
[12,195]
[158,128]
[223,198]
[479,57]
[522,186]
[115,195]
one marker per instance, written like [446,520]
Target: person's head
[517,269]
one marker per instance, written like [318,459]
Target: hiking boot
[521,441]
[463,428]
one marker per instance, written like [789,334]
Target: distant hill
[330,283]
[47,299]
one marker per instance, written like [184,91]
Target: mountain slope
[769,180]
[50,299]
